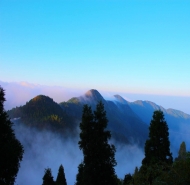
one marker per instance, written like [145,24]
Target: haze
[138,49]
[131,46]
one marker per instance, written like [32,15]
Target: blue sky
[134,46]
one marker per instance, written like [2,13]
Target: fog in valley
[45,149]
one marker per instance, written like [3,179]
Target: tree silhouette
[157,147]
[99,156]
[182,151]
[61,180]
[80,175]
[11,150]
[48,178]
[127,179]
[157,151]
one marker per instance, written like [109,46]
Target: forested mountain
[43,113]
[124,125]
[175,118]
[128,121]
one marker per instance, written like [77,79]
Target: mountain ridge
[128,121]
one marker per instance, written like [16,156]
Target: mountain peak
[41,98]
[120,99]
[94,94]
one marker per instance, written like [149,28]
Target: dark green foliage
[11,150]
[136,170]
[48,178]
[99,156]
[61,180]
[178,173]
[149,174]
[80,175]
[157,147]
[158,158]
[119,181]
[43,113]
[127,179]
[182,154]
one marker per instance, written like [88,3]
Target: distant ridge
[128,121]
[124,124]
[120,99]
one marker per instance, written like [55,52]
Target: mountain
[174,118]
[124,124]
[128,121]
[43,113]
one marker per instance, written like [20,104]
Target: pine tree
[136,171]
[48,178]
[11,150]
[80,175]
[99,156]
[127,179]
[61,180]
[182,151]
[157,147]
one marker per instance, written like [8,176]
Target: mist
[18,93]
[177,137]
[175,102]
[43,149]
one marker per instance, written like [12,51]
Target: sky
[125,46]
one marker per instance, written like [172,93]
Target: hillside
[124,125]
[43,113]
[145,109]
[128,121]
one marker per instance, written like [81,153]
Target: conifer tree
[182,151]
[136,170]
[99,156]
[48,178]
[61,180]
[127,179]
[80,175]
[157,147]
[11,150]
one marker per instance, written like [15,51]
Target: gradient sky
[135,46]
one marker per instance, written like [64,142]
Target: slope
[124,125]
[42,112]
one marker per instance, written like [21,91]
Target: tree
[157,151]
[11,150]
[157,147]
[48,178]
[182,151]
[61,180]
[136,171]
[80,175]
[99,156]
[127,179]
[178,173]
